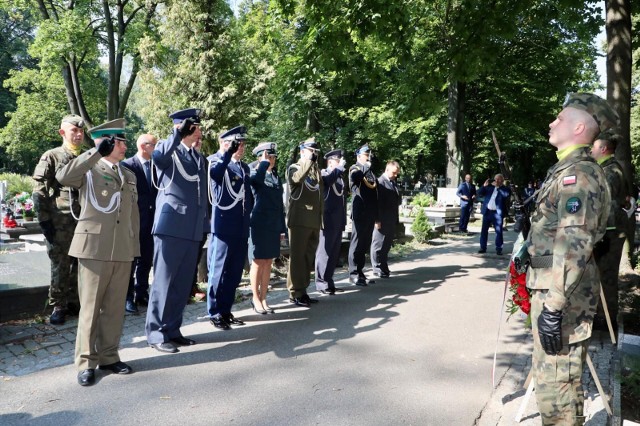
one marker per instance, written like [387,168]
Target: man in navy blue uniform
[232,202]
[466,192]
[140,165]
[364,213]
[177,230]
[385,227]
[494,209]
[334,221]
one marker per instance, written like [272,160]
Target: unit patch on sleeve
[573,204]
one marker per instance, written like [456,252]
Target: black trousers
[361,231]
[381,241]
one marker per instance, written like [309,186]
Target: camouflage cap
[76,120]
[605,116]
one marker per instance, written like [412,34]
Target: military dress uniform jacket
[571,216]
[98,235]
[364,193]
[617,219]
[227,220]
[268,210]
[306,200]
[49,196]
[146,194]
[182,198]
[335,216]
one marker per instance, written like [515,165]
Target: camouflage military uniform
[570,218]
[52,203]
[609,250]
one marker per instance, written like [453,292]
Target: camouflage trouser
[558,384]
[64,268]
[607,254]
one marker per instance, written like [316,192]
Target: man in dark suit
[334,220]
[140,165]
[364,212]
[494,209]
[177,229]
[467,193]
[385,227]
[232,201]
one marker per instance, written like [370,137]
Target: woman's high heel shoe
[258,311]
[268,308]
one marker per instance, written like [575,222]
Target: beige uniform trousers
[102,288]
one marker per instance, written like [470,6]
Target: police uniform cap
[265,146]
[364,149]
[309,144]
[179,116]
[76,120]
[605,116]
[110,128]
[237,133]
[336,153]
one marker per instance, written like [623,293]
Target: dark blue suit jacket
[179,211]
[146,195]
[468,191]
[502,198]
[335,214]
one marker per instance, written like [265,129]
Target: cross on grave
[441,181]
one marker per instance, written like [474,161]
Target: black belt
[542,262]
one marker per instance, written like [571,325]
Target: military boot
[57,316]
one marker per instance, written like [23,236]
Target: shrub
[423,200]
[17,184]
[421,227]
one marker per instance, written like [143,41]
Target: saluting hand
[105,147]
[187,127]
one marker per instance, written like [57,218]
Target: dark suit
[493,216]
[147,194]
[230,230]
[334,220]
[177,229]
[364,212]
[382,238]
[466,206]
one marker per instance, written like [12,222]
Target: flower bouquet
[520,295]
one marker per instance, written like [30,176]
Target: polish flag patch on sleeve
[569,180]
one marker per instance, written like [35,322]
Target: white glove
[342,163]
[632,209]
[368,164]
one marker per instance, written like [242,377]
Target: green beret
[605,116]
[110,128]
[76,120]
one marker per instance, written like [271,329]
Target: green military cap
[605,116]
[110,128]
[76,120]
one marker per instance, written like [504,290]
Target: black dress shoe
[499,252]
[328,291]
[299,301]
[117,367]
[338,290]
[309,300]
[57,316]
[166,347]
[219,322]
[131,307]
[73,309]
[482,251]
[87,377]
[183,341]
[381,274]
[230,319]
[361,281]
[141,300]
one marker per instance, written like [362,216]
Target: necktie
[147,172]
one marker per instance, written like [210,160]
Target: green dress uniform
[105,243]
[54,203]
[570,217]
[304,220]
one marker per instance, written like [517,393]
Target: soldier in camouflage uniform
[609,250]
[570,217]
[53,205]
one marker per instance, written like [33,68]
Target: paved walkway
[29,347]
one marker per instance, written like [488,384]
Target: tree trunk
[619,63]
[455,133]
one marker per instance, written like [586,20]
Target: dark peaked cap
[179,116]
[336,153]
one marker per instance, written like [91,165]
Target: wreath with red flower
[520,294]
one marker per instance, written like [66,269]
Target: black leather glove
[233,148]
[550,331]
[522,259]
[314,157]
[186,127]
[48,230]
[106,146]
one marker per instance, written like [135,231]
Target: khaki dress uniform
[304,220]
[105,243]
[570,217]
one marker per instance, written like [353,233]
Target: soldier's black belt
[542,261]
